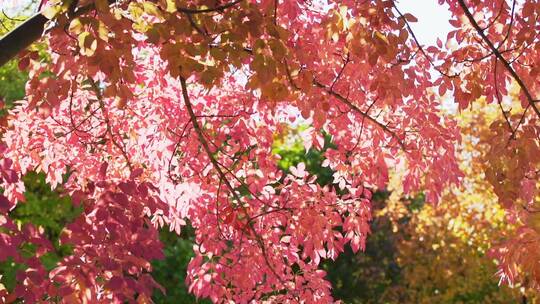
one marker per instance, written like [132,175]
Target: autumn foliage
[152,114]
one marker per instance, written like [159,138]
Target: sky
[10,7]
[432,19]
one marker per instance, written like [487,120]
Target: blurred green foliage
[47,209]
[12,80]
[171,271]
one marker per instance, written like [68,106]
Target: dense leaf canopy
[153,114]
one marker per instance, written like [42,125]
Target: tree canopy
[154,114]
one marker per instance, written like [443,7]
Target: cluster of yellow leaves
[359,35]
[512,168]
[512,159]
[443,248]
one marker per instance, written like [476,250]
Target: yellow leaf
[171,6]
[87,43]
[51,11]
[82,38]
[151,9]
[381,36]
[103,32]
[76,26]
[135,10]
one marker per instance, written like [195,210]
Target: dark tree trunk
[21,37]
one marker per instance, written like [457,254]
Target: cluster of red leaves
[113,239]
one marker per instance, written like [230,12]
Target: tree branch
[362,113]
[347,102]
[203,141]
[222,176]
[499,56]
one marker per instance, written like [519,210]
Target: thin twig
[409,28]
[499,99]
